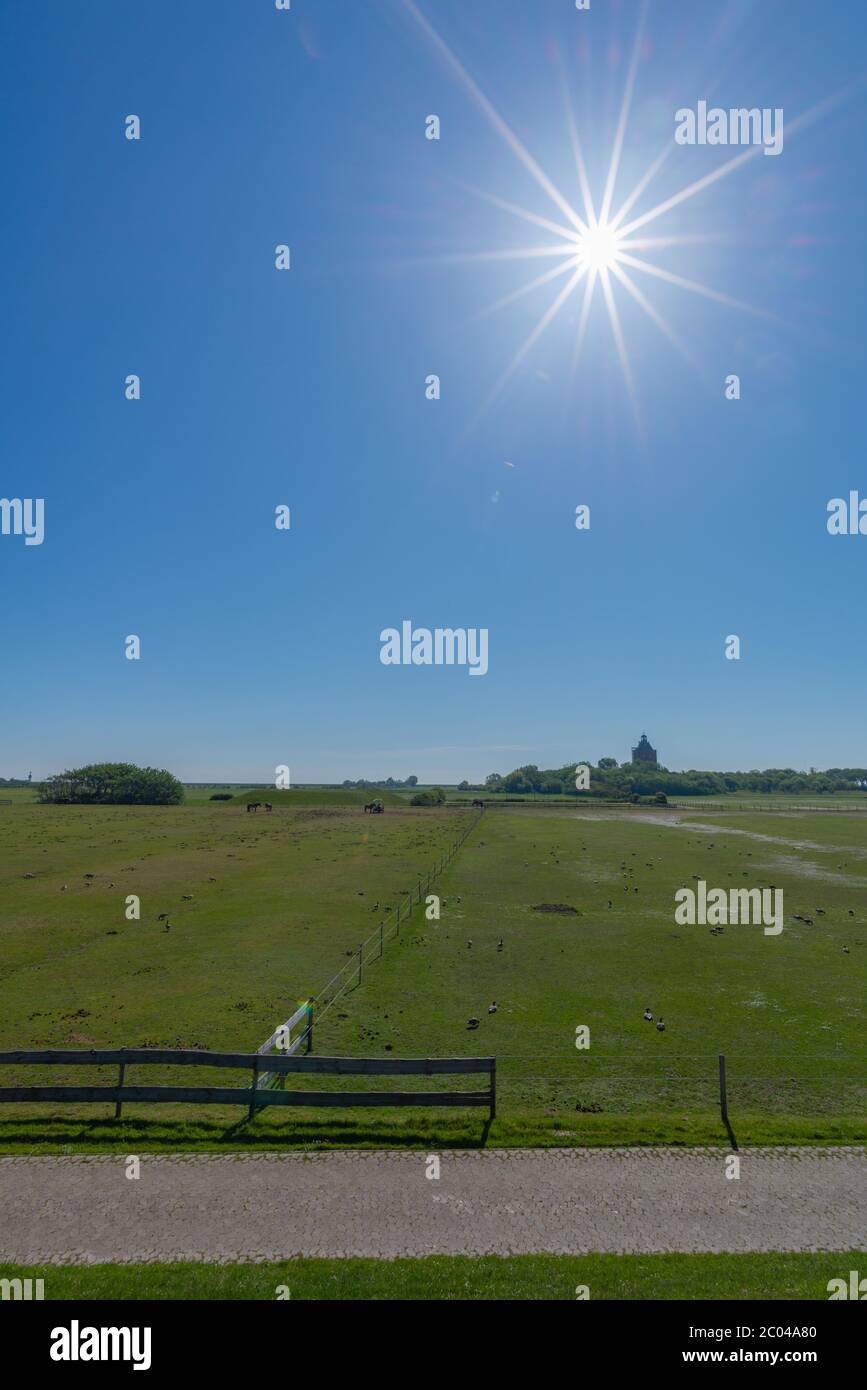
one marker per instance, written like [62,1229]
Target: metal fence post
[119,1106]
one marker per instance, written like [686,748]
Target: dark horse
[253,805]
[374,807]
[480,804]
[268,806]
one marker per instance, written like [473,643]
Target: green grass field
[277,903]
[776,801]
[442,1277]
[280,902]
[788,1012]
[320,796]
[18,796]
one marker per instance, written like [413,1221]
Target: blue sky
[306,387]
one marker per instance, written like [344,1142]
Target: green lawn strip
[358,1129]
[617,1277]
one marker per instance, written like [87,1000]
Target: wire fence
[673,1100]
[389,929]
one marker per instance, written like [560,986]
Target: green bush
[435,796]
[221,796]
[113,784]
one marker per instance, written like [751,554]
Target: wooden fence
[253,1096]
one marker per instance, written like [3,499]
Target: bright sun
[596,250]
[598,247]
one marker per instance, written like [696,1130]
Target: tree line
[363,782]
[611,779]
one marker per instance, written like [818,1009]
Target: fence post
[723,1097]
[119,1106]
[252,1111]
[493,1111]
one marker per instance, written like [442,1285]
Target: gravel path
[564,1201]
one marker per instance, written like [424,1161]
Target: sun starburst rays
[597,247]
[600,247]
[620,135]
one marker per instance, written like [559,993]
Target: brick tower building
[643,753]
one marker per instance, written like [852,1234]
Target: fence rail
[254,1097]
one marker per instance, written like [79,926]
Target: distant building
[643,753]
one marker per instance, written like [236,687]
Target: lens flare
[594,249]
[598,248]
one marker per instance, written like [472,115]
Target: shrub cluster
[113,784]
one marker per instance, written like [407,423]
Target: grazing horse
[253,805]
[374,807]
[480,804]
[268,806]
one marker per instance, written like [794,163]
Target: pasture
[277,903]
[261,911]
[319,796]
[788,1012]
[18,796]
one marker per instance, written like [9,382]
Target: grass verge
[773,1277]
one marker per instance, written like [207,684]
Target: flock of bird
[626,870]
[162,917]
[648,1018]
[473,1022]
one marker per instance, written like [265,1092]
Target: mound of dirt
[557,907]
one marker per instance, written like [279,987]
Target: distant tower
[643,753]
[30,776]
